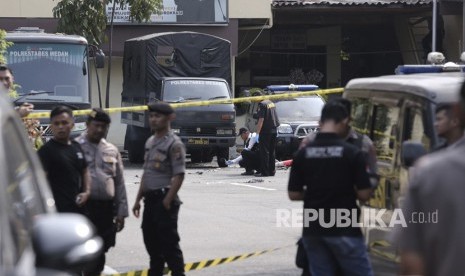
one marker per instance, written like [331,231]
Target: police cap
[161,107]
[98,114]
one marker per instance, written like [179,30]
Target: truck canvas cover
[150,58]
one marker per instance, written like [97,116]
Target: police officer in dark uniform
[330,175]
[267,130]
[164,169]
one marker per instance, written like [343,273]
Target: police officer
[249,158]
[324,192]
[164,169]
[107,206]
[361,141]
[267,130]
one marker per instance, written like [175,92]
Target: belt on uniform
[100,203]
[156,193]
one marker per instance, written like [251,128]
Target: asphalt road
[223,214]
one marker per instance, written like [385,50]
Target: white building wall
[27,8]
[250,9]
[117,130]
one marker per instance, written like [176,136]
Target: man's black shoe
[261,175]
[222,163]
[248,173]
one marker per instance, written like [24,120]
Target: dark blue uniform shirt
[330,171]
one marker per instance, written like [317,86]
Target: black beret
[161,107]
[98,114]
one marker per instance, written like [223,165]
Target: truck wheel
[196,156]
[222,153]
[134,143]
[135,153]
[207,155]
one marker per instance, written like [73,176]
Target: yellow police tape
[202,264]
[373,246]
[384,254]
[38,115]
[379,133]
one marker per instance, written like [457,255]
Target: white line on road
[109,270]
[252,186]
[215,182]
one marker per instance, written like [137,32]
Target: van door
[415,130]
[378,117]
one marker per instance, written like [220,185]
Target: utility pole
[463,27]
[433,27]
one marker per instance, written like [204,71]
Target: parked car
[34,239]
[297,116]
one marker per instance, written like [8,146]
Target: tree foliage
[3,46]
[88,17]
[3,60]
[32,126]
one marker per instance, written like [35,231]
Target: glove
[229,162]
[256,138]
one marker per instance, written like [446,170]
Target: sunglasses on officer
[5,78]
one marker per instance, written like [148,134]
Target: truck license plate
[197,141]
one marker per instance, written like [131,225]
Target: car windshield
[299,109]
[58,69]
[186,90]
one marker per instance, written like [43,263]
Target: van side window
[361,115]
[384,131]
[380,122]
[414,129]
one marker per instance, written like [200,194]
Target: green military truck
[175,68]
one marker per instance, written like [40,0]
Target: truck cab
[49,70]
[180,67]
